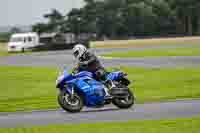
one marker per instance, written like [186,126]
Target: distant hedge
[4,37]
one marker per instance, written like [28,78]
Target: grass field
[3,51]
[24,88]
[2,46]
[145,42]
[191,125]
[27,88]
[189,51]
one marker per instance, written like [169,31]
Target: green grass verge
[4,52]
[189,51]
[191,125]
[25,88]
[3,45]
[164,84]
[145,42]
[4,36]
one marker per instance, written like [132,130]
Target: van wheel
[23,50]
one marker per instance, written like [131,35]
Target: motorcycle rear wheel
[125,103]
[70,104]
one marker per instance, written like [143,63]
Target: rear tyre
[125,103]
[70,104]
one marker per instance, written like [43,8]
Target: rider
[87,61]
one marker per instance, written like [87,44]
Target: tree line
[127,18]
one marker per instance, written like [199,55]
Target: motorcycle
[81,89]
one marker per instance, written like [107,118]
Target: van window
[29,39]
[16,39]
[25,40]
[33,39]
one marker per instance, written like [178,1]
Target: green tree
[40,28]
[54,22]
[15,30]
[165,18]
[74,21]
[123,18]
[186,12]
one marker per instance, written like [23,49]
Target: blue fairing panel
[92,90]
[114,75]
[69,78]
[84,83]
[84,74]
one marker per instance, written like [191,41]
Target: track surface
[64,58]
[149,111]
[142,111]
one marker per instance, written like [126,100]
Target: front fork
[72,94]
[109,87]
[69,90]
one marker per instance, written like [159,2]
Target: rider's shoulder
[89,53]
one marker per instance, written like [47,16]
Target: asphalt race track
[177,109]
[64,58]
[151,111]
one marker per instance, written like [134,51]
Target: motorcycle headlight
[59,79]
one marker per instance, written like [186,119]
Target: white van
[23,41]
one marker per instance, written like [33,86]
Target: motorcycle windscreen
[84,74]
[65,77]
[93,92]
[114,76]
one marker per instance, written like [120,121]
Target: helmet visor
[76,53]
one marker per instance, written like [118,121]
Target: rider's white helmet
[79,50]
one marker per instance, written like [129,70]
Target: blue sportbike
[81,89]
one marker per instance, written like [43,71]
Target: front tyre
[125,103]
[70,103]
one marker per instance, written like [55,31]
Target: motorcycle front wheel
[70,103]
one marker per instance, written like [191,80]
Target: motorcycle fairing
[114,75]
[92,90]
